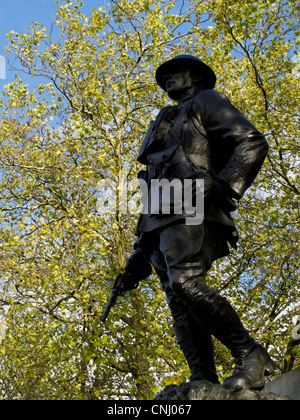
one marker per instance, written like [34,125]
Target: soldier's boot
[219,318]
[251,367]
[197,347]
[195,343]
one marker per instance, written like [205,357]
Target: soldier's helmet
[186,61]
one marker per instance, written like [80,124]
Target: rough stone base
[287,384]
[204,390]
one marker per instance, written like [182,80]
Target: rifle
[116,291]
[131,280]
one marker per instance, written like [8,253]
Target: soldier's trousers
[182,256]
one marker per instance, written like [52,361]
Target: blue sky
[17,15]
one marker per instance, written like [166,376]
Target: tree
[84,123]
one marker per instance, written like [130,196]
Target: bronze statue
[203,137]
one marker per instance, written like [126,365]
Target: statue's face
[178,83]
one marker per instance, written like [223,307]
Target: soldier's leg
[195,343]
[189,252]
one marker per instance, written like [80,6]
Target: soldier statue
[202,137]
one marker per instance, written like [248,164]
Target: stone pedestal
[204,390]
[286,387]
[288,384]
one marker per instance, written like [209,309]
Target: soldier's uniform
[207,138]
